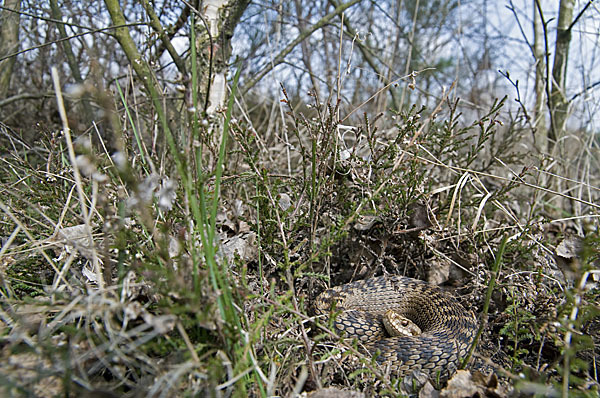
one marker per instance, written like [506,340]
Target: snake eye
[399,325]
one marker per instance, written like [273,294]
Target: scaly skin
[447,329]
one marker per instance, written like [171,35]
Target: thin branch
[172,31]
[22,96]
[579,16]
[511,7]
[157,26]
[41,18]
[591,86]
[210,53]
[101,30]
[367,53]
[302,36]
[552,132]
[71,59]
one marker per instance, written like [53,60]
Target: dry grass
[121,274]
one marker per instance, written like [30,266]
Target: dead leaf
[428,391]
[242,244]
[75,238]
[413,382]
[570,247]
[461,385]
[465,384]
[284,200]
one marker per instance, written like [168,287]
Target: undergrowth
[191,269]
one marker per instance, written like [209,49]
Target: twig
[210,53]
[488,298]
[288,49]
[101,30]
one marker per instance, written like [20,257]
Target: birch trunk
[558,99]
[539,121]
[215,46]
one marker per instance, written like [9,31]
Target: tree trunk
[558,99]
[214,46]
[539,120]
[9,42]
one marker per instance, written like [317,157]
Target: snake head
[398,325]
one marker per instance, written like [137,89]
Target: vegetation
[167,220]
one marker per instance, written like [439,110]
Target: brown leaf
[461,385]
[570,247]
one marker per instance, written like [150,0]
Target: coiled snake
[446,328]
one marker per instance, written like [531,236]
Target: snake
[439,332]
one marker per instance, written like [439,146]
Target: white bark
[218,92]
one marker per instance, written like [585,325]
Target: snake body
[447,329]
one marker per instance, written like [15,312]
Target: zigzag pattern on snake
[447,329]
